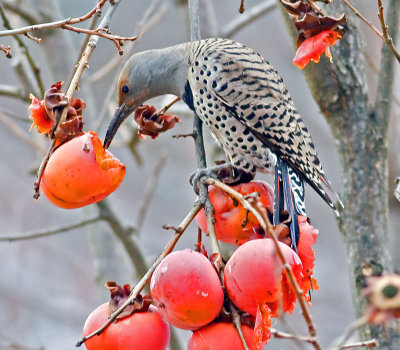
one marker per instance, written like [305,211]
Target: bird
[239,95]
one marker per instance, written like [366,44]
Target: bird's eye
[125,89]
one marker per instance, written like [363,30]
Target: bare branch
[146,278]
[124,234]
[49,231]
[384,36]
[6,50]
[148,193]
[19,132]
[372,343]
[32,64]
[237,324]
[146,23]
[25,12]
[104,33]
[14,91]
[56,24]
[247,18]
[283,335]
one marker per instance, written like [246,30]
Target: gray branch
[246,18]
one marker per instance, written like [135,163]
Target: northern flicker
[245,103]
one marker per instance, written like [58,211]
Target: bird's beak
[121,113]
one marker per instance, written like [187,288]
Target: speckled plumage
[244,102]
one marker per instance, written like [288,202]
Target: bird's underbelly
[240,145]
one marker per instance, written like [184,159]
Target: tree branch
[49,231]
[32,64]
[247,18]
[14,91]
[56,24]
[146,278]
[148,193]
[20,133]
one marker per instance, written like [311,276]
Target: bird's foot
[223,172]
[213,172]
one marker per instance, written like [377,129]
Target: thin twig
[32,64]
[49,231]
[146,278]
[385,35]
[15,116]
[14,91]
[238,325]
[25,12]
[13,126]
[166,107]
[148,193]
[357,324]
[124,234]
[6,50]
[367,22]
[146,23]
[83,63]
[247,18]
[372,343]
[56,24]
[199,148]
[104,33]
[284,335]
[268,228]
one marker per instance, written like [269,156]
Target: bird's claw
[200,175]
[215,172]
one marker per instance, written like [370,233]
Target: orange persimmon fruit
[313,47]
[230,215]
[81,172]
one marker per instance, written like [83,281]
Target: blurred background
[49,285]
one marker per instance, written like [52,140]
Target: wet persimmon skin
[229,216]
[254,273]
[186,289]
[221,336]
[141,330]
[81,172]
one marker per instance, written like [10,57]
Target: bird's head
[146,75]
[133,89]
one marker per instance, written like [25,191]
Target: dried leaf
[151,124]
[120,294]
[312,24]
[298,8]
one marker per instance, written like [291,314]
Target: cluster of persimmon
[187,291]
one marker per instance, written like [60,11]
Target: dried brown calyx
[119,294]
[151,123]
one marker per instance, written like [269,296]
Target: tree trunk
[360,129]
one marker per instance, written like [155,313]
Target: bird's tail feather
[289,190]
